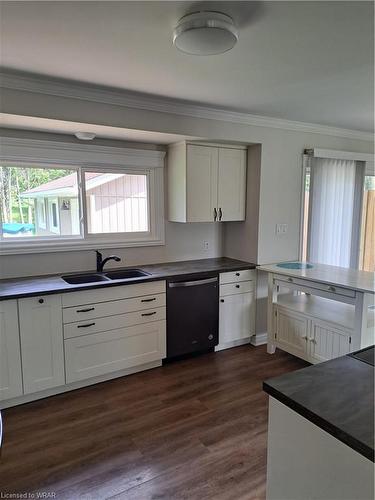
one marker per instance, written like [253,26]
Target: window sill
[73,245]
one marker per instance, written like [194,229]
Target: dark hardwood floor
[194,429]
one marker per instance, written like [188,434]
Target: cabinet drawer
[233,288]
[106,294]
[113,322]
[236,276]
[315,285]
[101,353]
[102,309]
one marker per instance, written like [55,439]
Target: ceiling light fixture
[85,136]
[205,33]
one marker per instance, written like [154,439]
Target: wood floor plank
[195,429]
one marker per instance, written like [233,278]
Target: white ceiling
[305,61]
[101,131]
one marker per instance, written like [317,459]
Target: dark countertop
[337,396]
[43,285]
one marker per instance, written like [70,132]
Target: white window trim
[41,207]
[52,228]
[35,153]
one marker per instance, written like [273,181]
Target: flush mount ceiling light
[205,33]
[85,136]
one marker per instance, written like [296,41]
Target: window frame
[307,156]
[88,158]
[41,209]
[54,229]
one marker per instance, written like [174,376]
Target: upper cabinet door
[41,342]
[10,356]
[231,184]
[202,171]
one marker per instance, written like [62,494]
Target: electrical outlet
[206,245]
[281,228]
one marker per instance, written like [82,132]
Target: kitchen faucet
[100,262]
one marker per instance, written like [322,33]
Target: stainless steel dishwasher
[192,315]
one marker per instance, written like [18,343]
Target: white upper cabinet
[42,345]
[201,176]
[10,356]
[231,184]
[206,183]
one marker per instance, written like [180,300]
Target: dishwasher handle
[181,284]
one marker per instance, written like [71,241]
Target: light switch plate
[281,228]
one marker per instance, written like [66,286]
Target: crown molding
[136,100]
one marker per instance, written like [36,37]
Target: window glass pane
[116,203]
[367,249]
[38,202]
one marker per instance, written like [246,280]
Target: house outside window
[78,206]
[41,214]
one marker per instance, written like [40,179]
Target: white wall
[280,177]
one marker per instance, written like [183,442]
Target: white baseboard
[27,398]
[259,339]
[233,343]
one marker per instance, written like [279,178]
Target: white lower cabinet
[309,338]
[291,332]
[10,353]
[327,342]
[51,341]
[101,353]
[41,333]
[114,335]
[236,308]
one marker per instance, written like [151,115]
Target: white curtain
[332,211]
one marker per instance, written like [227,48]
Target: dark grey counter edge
[214,265]
[342,436]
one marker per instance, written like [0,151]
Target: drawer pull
[148,300]
[86,326]
[237,286]
[221,300]
[331,288]
[148,314]
[238,274]
[290,280]
[86,310]
[41,301]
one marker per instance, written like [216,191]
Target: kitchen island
[321,431]
[319,312]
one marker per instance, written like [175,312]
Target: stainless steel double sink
[121,274]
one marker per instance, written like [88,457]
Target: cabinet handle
[86,326]
[148,314]
[304,338]
[312,340]
[237,286]
[290,280]
[86,310]
[215,214]
[331,288]
[238,274]
[148,300]
[221,300]
[41,301]
[220,214]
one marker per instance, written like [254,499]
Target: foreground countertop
[353,279]
[337,396]
[43,285]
